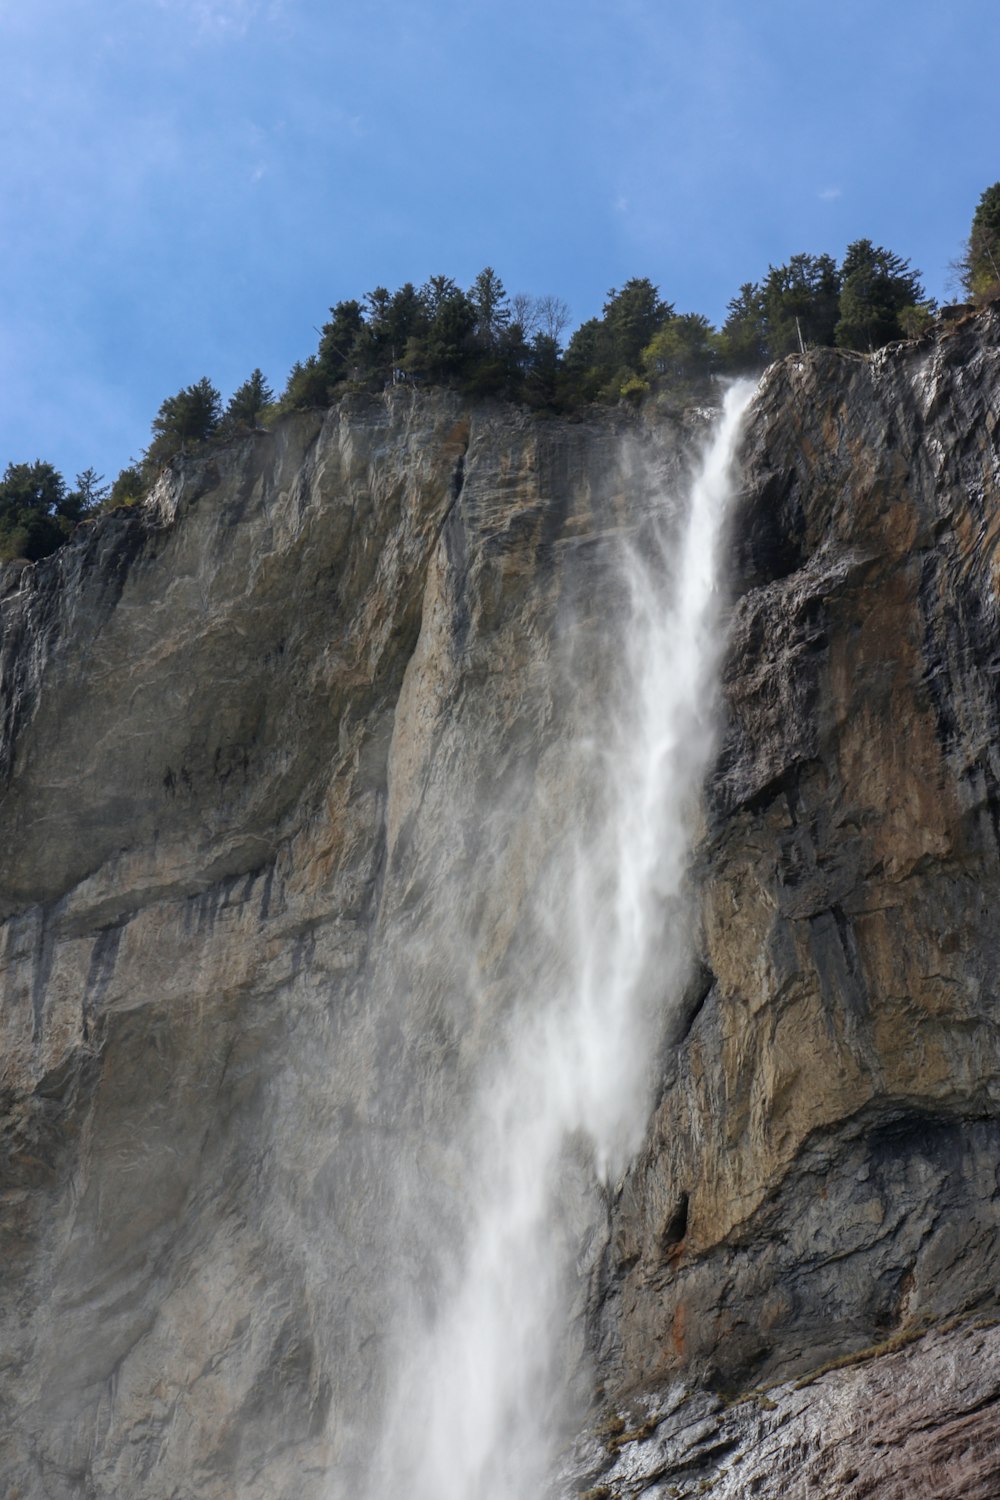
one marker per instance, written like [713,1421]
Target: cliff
[252,743]
[829,1122]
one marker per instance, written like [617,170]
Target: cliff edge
[246,737]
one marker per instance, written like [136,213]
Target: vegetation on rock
[980,265]
[38,511]
[483,342]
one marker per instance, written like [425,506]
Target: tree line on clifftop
[483,342]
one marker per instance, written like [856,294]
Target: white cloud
[830,194]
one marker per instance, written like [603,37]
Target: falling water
[478,1397]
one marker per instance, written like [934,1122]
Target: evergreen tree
[36,513]
[307,385]
[339,341]
[917,320]
[876,286]
[406,318]
[128,489]
[684,354]
[605,354]
[587,367]
[392,323]
[36,487]
[801,304]
[184,420]
[631,318]
[376,306]
[442,348]
[90,493]
[743,339]
[542,372]
[437,291]
[980,265]
[373,342]
[492,308]
[246,403]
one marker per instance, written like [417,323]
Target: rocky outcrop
[246,741]
[821,1173]
[919,1420]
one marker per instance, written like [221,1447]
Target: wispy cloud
[222,19]
[830,194]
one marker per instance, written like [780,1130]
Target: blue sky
[186,186]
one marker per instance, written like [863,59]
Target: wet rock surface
[918,1421]
[246,743]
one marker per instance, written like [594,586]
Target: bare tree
[524,312]
[553,316]
[548,315]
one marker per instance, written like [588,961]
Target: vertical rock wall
[247,740]
[252,742]
[822,1175]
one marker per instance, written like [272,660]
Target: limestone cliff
[821,1175]
[246,736]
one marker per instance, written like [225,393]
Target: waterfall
[478,1396]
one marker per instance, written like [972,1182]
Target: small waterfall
[478,1399]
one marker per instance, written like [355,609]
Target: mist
[497,1204]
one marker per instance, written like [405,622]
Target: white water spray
[479,1394]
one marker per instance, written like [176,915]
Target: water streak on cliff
[480,1392]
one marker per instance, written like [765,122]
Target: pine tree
[338,345]
[246,404]
[128,488]
[492,308]
[445,342]
[632,317]
[605,354]
[801,304]
[35,514]
[307,385]
[980,265]
[91,491]
[743,338]
[184,420]
[88,495]
[684,354]
[876,286]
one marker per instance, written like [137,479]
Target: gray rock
[247,738]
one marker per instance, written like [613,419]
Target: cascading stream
[478,1399]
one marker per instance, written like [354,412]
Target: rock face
[246,738]
[917,1421]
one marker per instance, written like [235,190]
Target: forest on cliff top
[484,342]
